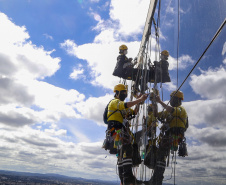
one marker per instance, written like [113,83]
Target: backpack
[105,117]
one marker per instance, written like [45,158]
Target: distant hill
[37,178]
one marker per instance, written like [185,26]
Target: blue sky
[56,61]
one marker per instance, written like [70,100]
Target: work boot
[152,181]
[133,181]
[138,182]
[128,177]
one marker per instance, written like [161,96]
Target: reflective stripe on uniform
[127,162]
[120,164]
[161,164]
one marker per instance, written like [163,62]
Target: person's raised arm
[139,100]
[167,107]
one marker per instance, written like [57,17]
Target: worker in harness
[175,123]
[161,68]
[124,66]
[125,69]
[120,132]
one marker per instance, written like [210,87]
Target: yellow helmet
[120,87]
[165,52]
[123,47]
[179,94]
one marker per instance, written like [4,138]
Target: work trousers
[166,143]
[125,154]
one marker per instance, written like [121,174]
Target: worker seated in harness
[161,68]
[125,68]
[175,123]
[120,132]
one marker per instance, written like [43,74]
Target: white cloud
[101,59]
[210,84]
[69,46]
[183,62]
[54,99]
[39,152]
[7,27]
[23,63]
[26,59]
[224,61]
[206,112]
[12,116]
[48,36]
[54,132]
[169,86]
[77,73]
[12,91]
[105,37]
[96,16]
[89,109]
[132,18]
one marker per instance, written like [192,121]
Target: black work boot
[128,177]
[157,177]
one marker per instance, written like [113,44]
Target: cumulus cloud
[12,91]
[101,59]
[38,151]
[56,102]
[105,37]
[23,65]
[69,46]
[24,58]
[212,137]
[207,112]
[183,62]
[131,19]
[77,73]
[16,117]
[208,81]
[169,86]
[89,109]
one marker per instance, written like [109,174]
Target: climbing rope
[178,41]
